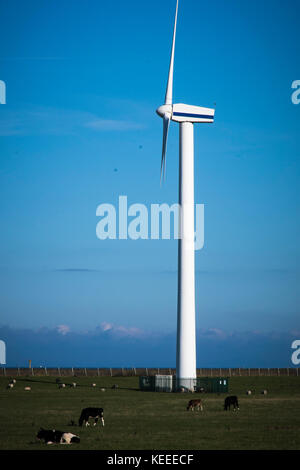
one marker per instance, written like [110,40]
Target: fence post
[46,371]
[278,373]
[4,370]
[58,371]
[32,373]
[147,371]
[18,371]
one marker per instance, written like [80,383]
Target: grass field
[156,421]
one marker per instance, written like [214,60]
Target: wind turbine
[186,115]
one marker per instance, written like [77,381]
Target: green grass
[145,420]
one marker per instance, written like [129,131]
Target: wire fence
[132,371]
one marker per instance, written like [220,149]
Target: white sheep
[10,385]
[74,384]
[248,392]
[27,389]
[62,386]
[93,385]
[264,392]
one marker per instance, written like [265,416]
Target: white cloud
[54,121]
[213,333]
[63,329]
[106,326]
[120,330]
[113,125]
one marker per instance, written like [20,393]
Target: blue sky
[79,129]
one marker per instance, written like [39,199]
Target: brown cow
[195,404]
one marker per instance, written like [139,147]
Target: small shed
[156,383]
[212,384]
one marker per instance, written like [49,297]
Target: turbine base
[188,384]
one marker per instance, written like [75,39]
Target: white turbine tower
[186,115]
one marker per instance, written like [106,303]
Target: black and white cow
[87,413]
[232,400]
[57,437]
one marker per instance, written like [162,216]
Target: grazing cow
[57,437]
[192,404]
[87,413]
[232,400]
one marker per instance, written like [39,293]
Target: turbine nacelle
[165,111]
[180,112]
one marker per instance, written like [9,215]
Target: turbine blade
[169,90]
[166,124]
